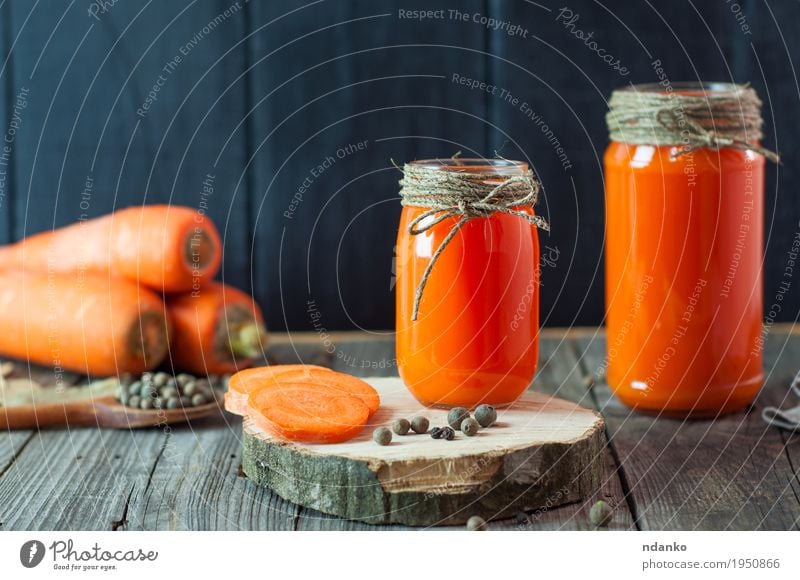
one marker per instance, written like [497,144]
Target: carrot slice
[350,385]
[246,381]
[309,413]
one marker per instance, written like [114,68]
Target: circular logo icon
[31,553]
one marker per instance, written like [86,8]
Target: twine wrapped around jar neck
[693,119]
[465,195]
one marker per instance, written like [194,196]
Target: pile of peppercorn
[164,391]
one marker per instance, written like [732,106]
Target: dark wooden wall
[271,89]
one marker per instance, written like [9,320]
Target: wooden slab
[543,452]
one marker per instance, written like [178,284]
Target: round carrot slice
[346,384]
[246,381]
[309,413]
[350,385]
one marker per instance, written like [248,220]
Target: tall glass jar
[684,252]
[475,339]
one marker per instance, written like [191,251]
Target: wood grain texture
[196,484]
[138,105]
[76,480]
[380,80]
[741,477]
[729,473]
[7,175]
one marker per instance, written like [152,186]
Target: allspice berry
[486,415]
[456,416]
[420,424]
[600,515]
[382,436]
[470,427]
[401,426]
[476,524]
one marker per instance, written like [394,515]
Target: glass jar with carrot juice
[684,180]
[467,281]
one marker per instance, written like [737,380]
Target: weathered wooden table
[662,474]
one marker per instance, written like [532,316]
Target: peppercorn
[147,378]
[198,400]
[401,426]
[189,389]
[134,401]
[382,436]
[184,379]
[456,416]
[173,403]
[420,424]
[160,379]
[146,403]
[169,392]
[486,415]
[600,515]
[124,397]
[158,403]
[476,524]
[134,388]
[448,433]
[470,427]
[436,432]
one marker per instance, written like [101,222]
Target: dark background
[274,88]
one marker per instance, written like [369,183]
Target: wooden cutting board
[542,452]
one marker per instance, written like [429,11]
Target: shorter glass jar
[476,336]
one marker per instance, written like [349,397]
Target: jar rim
[687,87]
[474,164]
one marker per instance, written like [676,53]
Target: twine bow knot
[449,194]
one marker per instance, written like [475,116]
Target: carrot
[216,330]
[90,323]
[244,382]
[309,413]
[166,248]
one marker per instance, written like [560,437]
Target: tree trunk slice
[543,452]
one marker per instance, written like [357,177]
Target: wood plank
[134,106]
[766,51]
[393,96]
[6,89]
[11,445]
[728,473]
[197,485]
[557,122]
[76,480]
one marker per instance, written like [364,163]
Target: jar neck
[493,169]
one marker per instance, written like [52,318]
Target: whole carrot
[216,330]
[92,324]
[166,248]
